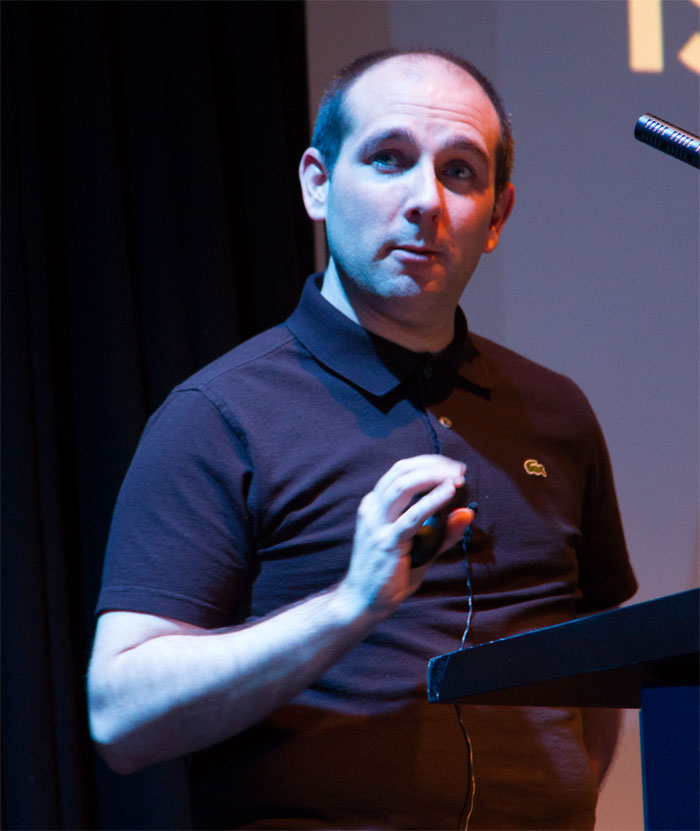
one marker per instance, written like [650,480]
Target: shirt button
[445,421]
[428,371]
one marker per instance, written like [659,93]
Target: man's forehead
[446,88]
[416,64]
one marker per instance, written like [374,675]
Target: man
[259,599]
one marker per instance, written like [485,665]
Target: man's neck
[421,337]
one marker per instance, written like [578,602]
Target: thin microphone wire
[467,572]
[470,597]
[470,797]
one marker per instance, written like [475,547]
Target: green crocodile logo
[534,468]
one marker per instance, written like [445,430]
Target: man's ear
[501,212]
[314,178]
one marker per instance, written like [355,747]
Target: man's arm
[601,728]
[160,688]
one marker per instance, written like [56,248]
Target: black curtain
[151,221]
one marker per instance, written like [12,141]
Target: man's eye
[459,170]
[385,159]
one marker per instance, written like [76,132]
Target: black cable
[469,798]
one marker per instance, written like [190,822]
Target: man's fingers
[413,477]
[457,523]
[408,523]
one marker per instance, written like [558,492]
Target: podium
[643,656]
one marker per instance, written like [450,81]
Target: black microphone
[668,138]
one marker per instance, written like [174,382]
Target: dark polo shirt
[241,500]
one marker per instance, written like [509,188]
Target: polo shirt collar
[367,360]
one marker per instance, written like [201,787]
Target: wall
[597,272]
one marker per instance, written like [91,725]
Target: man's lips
[419,252]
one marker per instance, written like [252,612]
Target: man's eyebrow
[464,143]
[403,135]
[392,134]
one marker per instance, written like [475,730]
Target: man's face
[409,205]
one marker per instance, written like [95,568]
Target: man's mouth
[418,252]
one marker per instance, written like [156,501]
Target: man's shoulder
[510,369]
[266,346]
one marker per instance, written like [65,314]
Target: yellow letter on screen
[646,37]
[690,53]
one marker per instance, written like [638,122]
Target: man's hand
[388,519]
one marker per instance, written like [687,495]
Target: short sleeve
[179,544]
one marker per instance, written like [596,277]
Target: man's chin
[404,284]
[410,284]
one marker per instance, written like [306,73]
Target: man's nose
[424,195]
